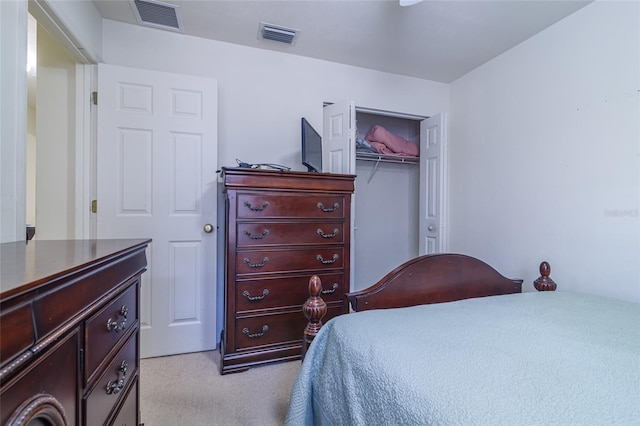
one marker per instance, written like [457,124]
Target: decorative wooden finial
[544,282]
[314,310]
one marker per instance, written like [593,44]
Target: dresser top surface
[246,178]
[25,265]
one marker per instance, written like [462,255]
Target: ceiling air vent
[157,14]
[278,33]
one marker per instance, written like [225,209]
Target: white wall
[263,94]
[31,166]
[544,155]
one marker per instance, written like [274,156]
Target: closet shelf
[382,158]
[370,156]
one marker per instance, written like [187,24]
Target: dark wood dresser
[281,228]
[69,340]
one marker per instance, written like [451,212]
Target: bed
[446,339]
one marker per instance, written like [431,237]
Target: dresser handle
[253,298]
[256,209]
[327,262]
[333,289]
[257,236]
[256,265]
[323,235]
[112,325]
[245,330]
[115,387]
[328,209]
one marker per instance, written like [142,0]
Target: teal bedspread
[531,358]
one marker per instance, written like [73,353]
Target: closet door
[339,156]
[432,184]
[338,138]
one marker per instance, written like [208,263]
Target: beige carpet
[188,390]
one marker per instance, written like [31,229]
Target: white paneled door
[338,138]
[339,156]
[156,163]
[432,184]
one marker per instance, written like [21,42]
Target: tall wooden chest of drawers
[281,228]
[69,321]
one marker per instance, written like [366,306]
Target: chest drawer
[274,233]
[267,293]
[263,261]
[275,205]
[112,384]
[275,328]
[108,327]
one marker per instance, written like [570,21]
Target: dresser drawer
[276,328]
[276,205]
[16,329]
[273,233]
[263,261]
[267,293]
[111,385]
[81,294]
[108,327]
[128,414]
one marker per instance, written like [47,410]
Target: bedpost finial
[315,286]
[544,282]
[545,269]
[314,310]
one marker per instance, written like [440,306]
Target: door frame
[13,124]
[85,116]
[86,143]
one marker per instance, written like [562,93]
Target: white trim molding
[13,120]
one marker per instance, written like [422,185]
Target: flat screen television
[311,147]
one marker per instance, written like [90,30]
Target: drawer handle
[327,262]
[256,209]
[252,298]
[323,235]
[256,265]
[114,388]
[112,325]
[328,209]
[257,236]
[333,289]
[265,328]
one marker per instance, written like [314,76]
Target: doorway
[51,158]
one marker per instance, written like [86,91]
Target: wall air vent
[278,33]
[157,14]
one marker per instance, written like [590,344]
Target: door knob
[208,228]
[431,228]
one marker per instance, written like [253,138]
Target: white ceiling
[439,40]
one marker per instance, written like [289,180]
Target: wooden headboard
[433,278]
